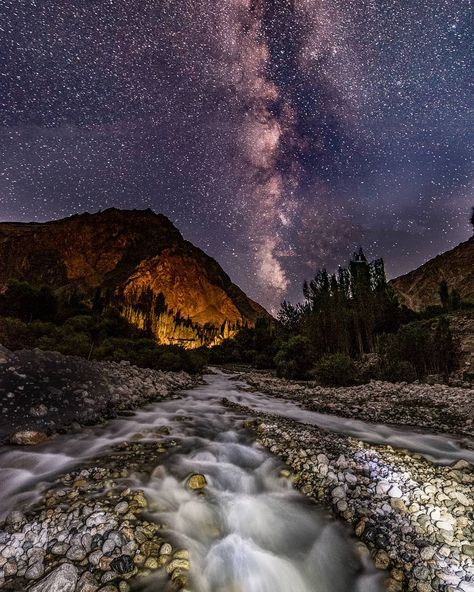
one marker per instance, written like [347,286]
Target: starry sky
[276,134]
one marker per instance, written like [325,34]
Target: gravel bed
[440,408]
[415,519]
[90,532]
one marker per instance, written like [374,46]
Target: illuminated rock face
[420,288]
[139,263]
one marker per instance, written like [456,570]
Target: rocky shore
[437,407]
[90,532]
[42,393]
[414,518]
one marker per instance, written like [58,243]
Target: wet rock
[123,564]
[28,438]
[16,520]
[197,481]
[166,549]
[381,560]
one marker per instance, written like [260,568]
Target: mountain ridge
[419,288]
[138,260]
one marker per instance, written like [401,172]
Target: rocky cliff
[136,261]
[420,287]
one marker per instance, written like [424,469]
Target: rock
[166,549]
[76,553]
[395,492]
[338,493]
[468,550]
[87,583]
[35,571]
[427,553]
[381,560]
[39,410]
[460,465]
[123,564]
[382,487]
[177,564]
[16,520]
[197,481]
[28,438]
[62,579]
[121,508]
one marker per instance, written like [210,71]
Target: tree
[295,358]
[472,217]
[23,301]
[444,294]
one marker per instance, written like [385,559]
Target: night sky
[276,134]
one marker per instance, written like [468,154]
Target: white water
[250,532]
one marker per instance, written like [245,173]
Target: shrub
[294,358]
[399,371]
[336,370]
[427,346]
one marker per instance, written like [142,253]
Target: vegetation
[35,317]
[343,318]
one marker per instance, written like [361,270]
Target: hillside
[137,262]
[419,288]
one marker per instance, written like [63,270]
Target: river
[251,531]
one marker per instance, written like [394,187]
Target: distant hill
[137,262]
[419,288]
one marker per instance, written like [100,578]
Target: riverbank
[416,518]
[438,408]
[90,532]
[44,393]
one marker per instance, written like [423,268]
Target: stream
[251,531]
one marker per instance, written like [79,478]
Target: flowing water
[250,532]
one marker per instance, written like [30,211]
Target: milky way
[276,134]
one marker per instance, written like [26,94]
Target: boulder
[28,438]
[62,579]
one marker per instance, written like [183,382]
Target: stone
[427,553]
[382,487]
[166,549]
[35,571]
[16,520]
[123,564]
[87,583]
[395,492]
[177,564]
[62,579]
[381,560]
[39,410]
[76,553]
[338,493]
[197,481]
[28,438]
[468,550]
[121,508]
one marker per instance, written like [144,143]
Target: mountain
[419,288]
[136,261]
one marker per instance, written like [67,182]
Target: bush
[427,346]
[399,371]
[294,358]
[336,370]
